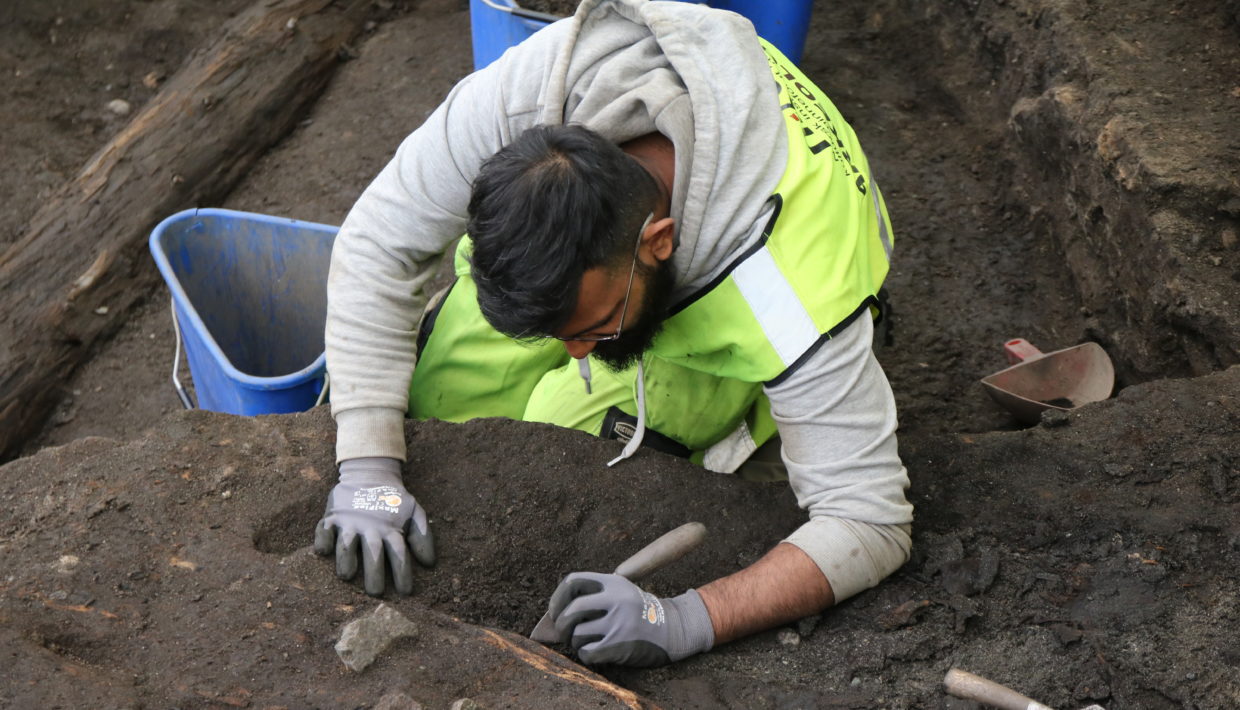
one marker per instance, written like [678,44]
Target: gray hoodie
[623,68]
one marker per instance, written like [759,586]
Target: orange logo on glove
[652,611]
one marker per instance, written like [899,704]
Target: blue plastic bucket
[249,294]
[783,23]
[495,27]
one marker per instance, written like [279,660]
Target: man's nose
[578,349]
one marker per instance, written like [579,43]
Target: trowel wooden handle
[668,548]
[963,684]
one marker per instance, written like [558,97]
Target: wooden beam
[73,278]
[560,669]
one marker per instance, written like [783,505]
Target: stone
[806,626]
[1052,418]
[397,701]
[362,640]
[1117,470]
[788,637]
[67,563]
[1228,239]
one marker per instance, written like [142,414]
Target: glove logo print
[652,609]
[383,499]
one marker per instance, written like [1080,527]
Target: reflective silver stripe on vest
[784,320]
[882,223]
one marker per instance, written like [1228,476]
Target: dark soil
[1074,571]
[1046,179]
[61,63]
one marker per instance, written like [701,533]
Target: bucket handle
[176,366]
[176,360]
[327,384]
[518,11]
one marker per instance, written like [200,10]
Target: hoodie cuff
[853,555]
[370,431]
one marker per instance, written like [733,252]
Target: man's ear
[660,238]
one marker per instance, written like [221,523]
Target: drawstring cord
[631,447]
[583,368]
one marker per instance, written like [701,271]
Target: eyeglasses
[629,290]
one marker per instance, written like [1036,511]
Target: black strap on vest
[429,317]
[621,426]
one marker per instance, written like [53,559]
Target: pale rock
[362,640]
[397,701]
[788,637]
[67,563]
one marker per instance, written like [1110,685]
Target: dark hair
[555,202]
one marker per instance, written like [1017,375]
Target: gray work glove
[611,620]
[369,512]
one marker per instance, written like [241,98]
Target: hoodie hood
[699,77]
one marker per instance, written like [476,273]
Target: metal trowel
[668,548]
[1063,379]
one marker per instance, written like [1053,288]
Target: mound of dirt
[1086,559]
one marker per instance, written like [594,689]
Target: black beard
[637,337]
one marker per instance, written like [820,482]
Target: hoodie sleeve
[837,419]
[393,237]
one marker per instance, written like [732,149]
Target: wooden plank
[82,264]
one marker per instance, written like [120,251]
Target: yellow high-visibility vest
[820,263]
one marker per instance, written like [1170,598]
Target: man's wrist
[371,470]
[697,632]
